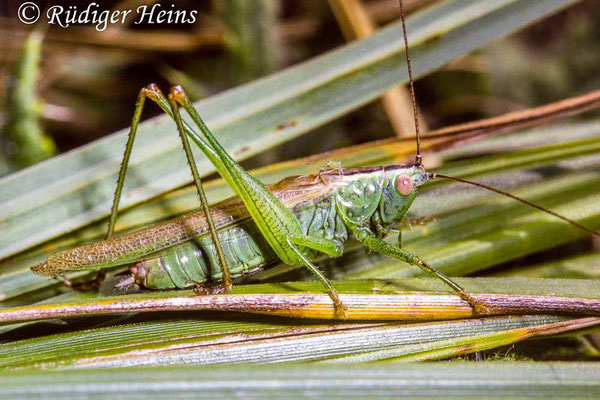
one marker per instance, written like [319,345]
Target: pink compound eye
[404,185]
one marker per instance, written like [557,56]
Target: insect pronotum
[294,222]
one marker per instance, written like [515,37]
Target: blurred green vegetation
[22,138]
[89,80]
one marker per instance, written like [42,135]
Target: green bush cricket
[367,203]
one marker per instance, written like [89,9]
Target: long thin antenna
[418,158]
[482,186]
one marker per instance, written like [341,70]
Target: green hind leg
[383,247]
[153,93]
[328,247]
[332,248]
[277,223]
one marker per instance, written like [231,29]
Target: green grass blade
[193,341]
[431,380]
[586,266]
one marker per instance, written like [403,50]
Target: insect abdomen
[246,250]
[195,261]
